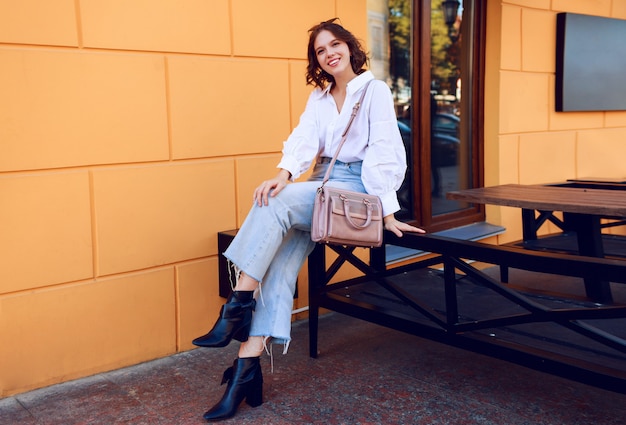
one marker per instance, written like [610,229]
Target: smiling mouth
[333,62]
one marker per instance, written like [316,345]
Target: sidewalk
[365,374]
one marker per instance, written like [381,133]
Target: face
[332,54]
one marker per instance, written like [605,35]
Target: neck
[341,81]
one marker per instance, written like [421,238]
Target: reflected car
[446,124]
[444,149]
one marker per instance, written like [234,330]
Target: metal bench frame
[448,327]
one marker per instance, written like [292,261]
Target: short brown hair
[315,75]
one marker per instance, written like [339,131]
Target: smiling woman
[275,240]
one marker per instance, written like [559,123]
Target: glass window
[434,71]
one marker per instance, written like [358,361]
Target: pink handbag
[344,217]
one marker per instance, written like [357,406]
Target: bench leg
[317,272]
[313,327]
[504,274]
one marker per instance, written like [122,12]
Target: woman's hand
[274,185]
[397,227]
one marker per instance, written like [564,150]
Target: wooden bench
[463,306]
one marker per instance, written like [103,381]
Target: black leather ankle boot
[245,380]
[233,322]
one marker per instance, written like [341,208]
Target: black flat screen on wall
[590,63]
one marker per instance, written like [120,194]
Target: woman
[274,240]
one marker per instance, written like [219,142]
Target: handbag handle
[344,136]
[346,211]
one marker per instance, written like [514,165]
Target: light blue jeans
[275,240]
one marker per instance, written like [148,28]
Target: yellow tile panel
[509,217]
[523,105]
[353,17]
[617,230]
[615,119]
[64,109]
[72,331]
[192,26]
[276,28]
[547,157]
[538,40]
[574,120]
[228,107]
[199,301]
[508,160]
[154,215]
[588,7]
[46,230]
[303,291]
[536,4]
[619,10]
[251,171]
[599,153]
[51,22]
[511,38]
[298,89]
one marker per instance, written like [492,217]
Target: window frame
[422,202]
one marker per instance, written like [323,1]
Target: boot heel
[242,334]
[254,398]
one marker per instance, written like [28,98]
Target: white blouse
[374,138]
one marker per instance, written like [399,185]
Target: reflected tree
[444,52]
[400,43]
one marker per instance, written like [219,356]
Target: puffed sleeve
[384,164]
[302,145]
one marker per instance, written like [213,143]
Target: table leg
[529,225]
[589,236]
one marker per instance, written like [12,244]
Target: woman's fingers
[397,227]
[262,193]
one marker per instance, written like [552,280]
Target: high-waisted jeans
[275,240]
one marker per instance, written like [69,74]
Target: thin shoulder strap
[344,136]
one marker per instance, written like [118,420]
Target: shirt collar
[359,81]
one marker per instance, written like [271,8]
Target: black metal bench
[463,306]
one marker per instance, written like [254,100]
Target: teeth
[333,62]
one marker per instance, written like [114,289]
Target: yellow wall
[130,134]
[527,142]
[123,126]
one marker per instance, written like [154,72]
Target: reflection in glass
[391,45]
[390,29]
[449,147]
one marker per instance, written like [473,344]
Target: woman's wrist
[284,174]
[388,218]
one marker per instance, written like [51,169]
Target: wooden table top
[548,198]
